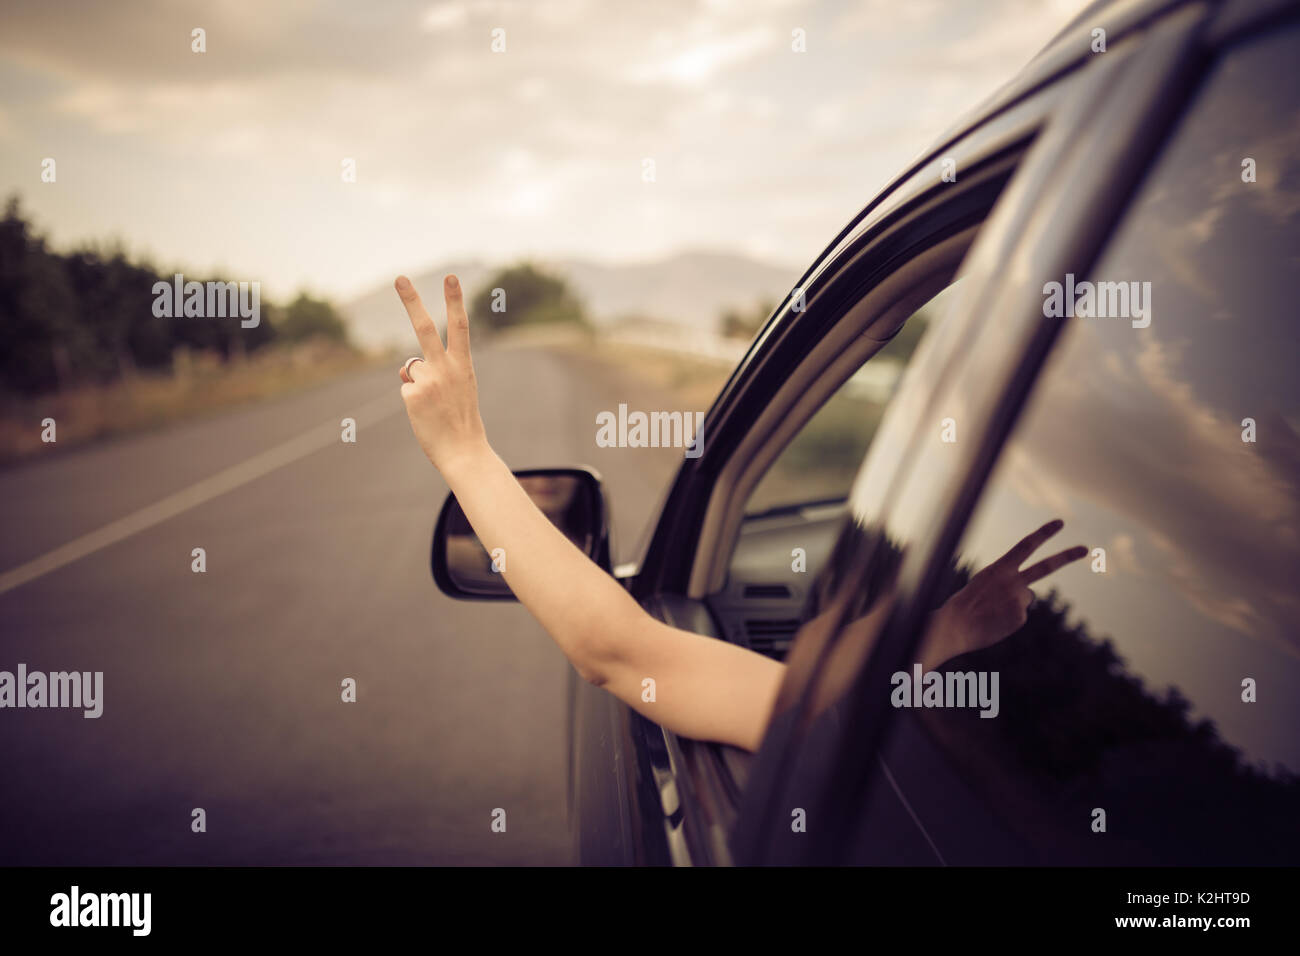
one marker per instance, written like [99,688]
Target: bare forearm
[694,685]
[579,605]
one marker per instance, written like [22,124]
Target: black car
[1076,305]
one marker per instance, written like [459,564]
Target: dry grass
[695,383]
[201,383]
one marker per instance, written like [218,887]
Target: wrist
[467,460]
[937,646]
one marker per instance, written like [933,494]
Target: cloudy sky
[231,159]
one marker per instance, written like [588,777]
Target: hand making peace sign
[438,387]
[994,604]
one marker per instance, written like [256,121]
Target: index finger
[1045,567]
[1027,545]
[421,321]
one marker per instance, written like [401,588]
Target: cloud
[751,139]
[1177,475]
[444,16]
[696,63]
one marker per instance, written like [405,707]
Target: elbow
[592,660]
[604,646]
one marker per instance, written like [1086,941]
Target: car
[1077,304]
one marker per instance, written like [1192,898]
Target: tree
[87,315]
[309,318]
[40,338]
[525,295]
[739,324]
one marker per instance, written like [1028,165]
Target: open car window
[821,461]
[797,509]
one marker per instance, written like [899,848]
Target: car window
[821,461]
[1149,709]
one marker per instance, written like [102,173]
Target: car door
[640,793]
[1070,752]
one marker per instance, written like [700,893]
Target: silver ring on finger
[409,362]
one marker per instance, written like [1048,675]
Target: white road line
[196,494]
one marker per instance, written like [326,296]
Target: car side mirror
[574,500]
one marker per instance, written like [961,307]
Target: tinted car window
[1150,707]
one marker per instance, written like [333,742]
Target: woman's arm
[704,688]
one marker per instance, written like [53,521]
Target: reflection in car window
[1158,681]
[821,461]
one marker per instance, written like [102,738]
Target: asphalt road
[222,690]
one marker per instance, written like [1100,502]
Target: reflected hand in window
[994,604]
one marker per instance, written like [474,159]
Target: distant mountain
[689,288]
